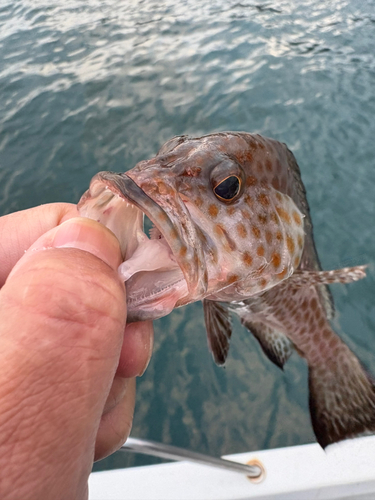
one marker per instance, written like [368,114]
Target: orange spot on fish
[251,181]
[262,219]
[213,255]
[269,237]
[192,171]
[213,210]
[232,278]
[256,231]
[264,199]
[246,157]
[282,274]
[198,201]
[245,214]
[290,244]
[297,218]
[183,251]
[230,210]
[196,260]
[268,165]
[163,188]
[300,241]
[260,251]
[162,216]
[274,218]
[278,196]
[283,214]
[218,230]
[241,230]
[205,275]
[263,282]
[173,234]
[276,260]
[248,199]
[279,236]
[247,258]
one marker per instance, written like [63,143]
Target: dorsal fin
[345,275]
[277,347]
[219,329]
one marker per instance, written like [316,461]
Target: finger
[116,393]
[21,229]
[62,319]
[115,426]
[136,349]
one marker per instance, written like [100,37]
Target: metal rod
[174,453]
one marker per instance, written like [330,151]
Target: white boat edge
[306,472]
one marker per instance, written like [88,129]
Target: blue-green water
[100,85]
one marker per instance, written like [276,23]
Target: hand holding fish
[67,383]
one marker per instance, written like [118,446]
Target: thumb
[62,318]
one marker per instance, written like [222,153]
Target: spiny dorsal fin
[310,259]
[219,329]
[275,345]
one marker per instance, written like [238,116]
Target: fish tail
[342,397]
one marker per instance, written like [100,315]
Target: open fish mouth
[160,272]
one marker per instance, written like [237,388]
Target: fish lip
[192,262]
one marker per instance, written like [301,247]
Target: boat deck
[343,470]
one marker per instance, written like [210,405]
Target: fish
[232,227]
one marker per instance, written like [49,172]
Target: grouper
[231,227]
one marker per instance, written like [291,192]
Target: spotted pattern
[213,210]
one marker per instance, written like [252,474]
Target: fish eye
[228,188]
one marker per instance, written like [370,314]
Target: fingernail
[90,236]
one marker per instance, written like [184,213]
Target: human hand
[67,371]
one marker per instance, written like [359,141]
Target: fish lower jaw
[152,295]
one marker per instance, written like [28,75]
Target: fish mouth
[161,272]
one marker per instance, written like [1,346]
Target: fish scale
[234,230]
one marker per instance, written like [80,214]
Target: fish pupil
[228,188]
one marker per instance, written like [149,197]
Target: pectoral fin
[219,329]
[275,345]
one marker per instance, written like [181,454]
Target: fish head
[225,226]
